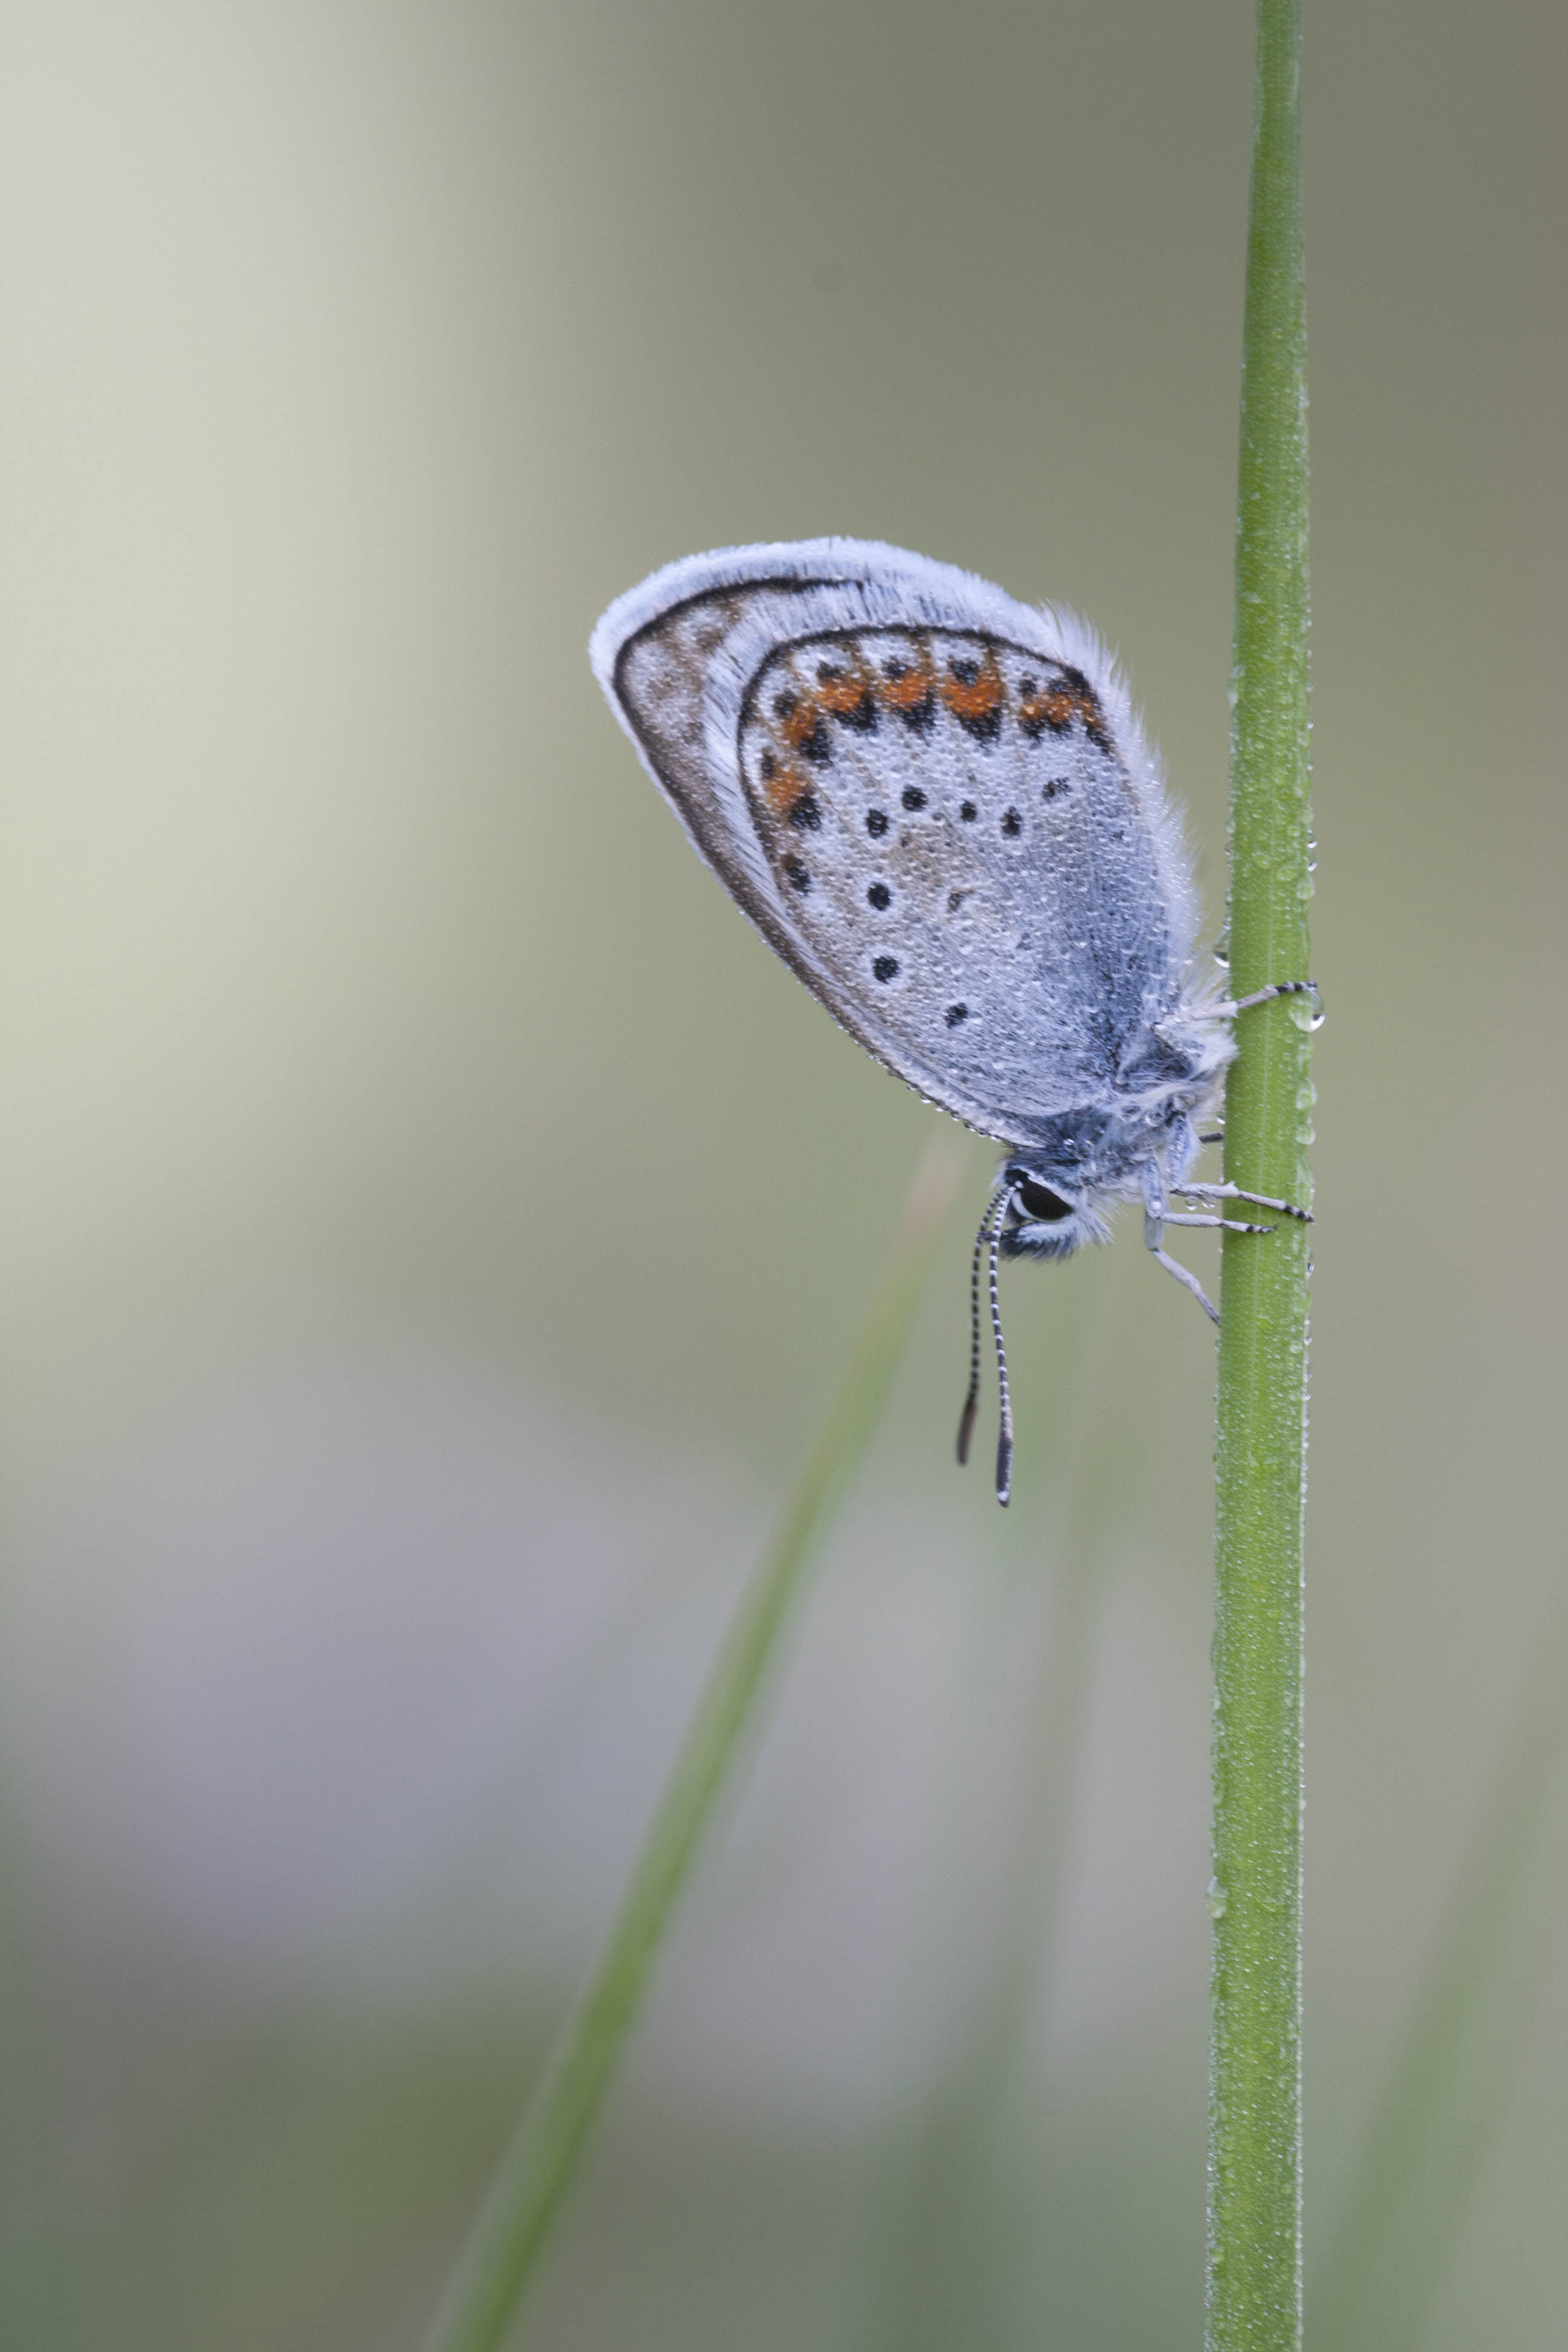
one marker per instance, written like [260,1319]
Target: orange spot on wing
[843,694]
[910,687]
[783,787]
[1056,705]
[979,699]
[801,724]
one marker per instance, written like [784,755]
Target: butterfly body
[938,805]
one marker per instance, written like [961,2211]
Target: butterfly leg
[1157,1216]
[1235,1004]
[1188,1281]
[1235,1192]
[1225,1224]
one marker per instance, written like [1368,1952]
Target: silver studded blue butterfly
[939,806]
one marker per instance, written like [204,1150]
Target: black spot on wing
[817,747]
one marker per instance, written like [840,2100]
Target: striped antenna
[995,1209]
[1005,1431]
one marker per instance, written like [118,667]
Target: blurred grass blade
[538,2167]
[1254,2288]
[1435,2119]
[970,2170]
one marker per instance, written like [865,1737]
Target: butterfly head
[1046,1216]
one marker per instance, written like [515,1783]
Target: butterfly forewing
[927,809]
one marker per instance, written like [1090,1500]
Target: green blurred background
[433,1224]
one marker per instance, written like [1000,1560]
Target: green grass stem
[1253,2289]
[538,2169]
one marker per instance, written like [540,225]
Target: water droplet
[1305,1096]
[1216,1899]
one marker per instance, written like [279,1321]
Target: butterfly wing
[935,803]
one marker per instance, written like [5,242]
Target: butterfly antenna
[971,1401]
[1004,1434]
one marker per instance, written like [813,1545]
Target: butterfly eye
[1039,1205]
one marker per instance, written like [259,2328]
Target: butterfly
[939,806]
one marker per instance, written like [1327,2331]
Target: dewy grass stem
[1254,2299]
[538,2167]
